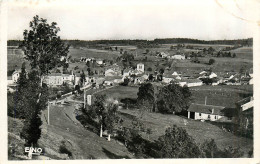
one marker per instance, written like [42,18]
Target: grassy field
[222,95]
[200,131]
[121,92]
[84,52]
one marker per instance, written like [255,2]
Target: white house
[99,61]
[140,67]
[205,112]
[110,72]
[192,82]
[167,80]
[213,75]
[163,54]
[178,57]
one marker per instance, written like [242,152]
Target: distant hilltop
[82,43]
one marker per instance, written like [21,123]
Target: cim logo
[33,150]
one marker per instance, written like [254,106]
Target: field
[200,131]
[223,95]
[121,92]
[95,53]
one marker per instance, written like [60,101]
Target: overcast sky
[132,19]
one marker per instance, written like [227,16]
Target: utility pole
[48,112]
[84,99]
[206,100]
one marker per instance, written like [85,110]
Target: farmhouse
[99,61]
[111,72]
[205,112]
[54,79]
[178,57]
[191,82]
[163,55]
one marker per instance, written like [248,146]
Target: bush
[211,61]
[64,150]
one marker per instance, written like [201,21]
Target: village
[128,98]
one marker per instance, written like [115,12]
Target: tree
[161,71]
[173,98]
[149,69]
[82,78]
[42,47]
[105,111]
[211,61]
[22,80]
[209,148]
[146,96]
[33,106]
[176,143]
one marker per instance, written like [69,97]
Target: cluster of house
[115,74]
[167,55]
[92,60]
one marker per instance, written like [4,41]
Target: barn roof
[207,109]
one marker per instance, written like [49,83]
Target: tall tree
[82,78]
[105,111]
[42,47]
[146,96]
[173,98]
[22,80]
[31,131]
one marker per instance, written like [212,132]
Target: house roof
[55,74]
[207,109]
[190,80]
[244,101]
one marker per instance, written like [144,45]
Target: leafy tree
[149,69]
[161,71]
[22,80]
[82,78]
[42,47]
[211,61]
[146,96]
[176,143]
[105,111]
[33,106]
[210,149]
[111,118]
[173,98]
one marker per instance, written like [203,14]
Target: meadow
[221,95]
[200,131]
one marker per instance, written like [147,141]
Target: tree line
[147,43]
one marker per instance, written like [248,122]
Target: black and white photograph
[90,80]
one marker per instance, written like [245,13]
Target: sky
[137,19]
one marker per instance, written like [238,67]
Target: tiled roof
[207,109]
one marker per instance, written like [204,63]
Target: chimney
[212,111]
